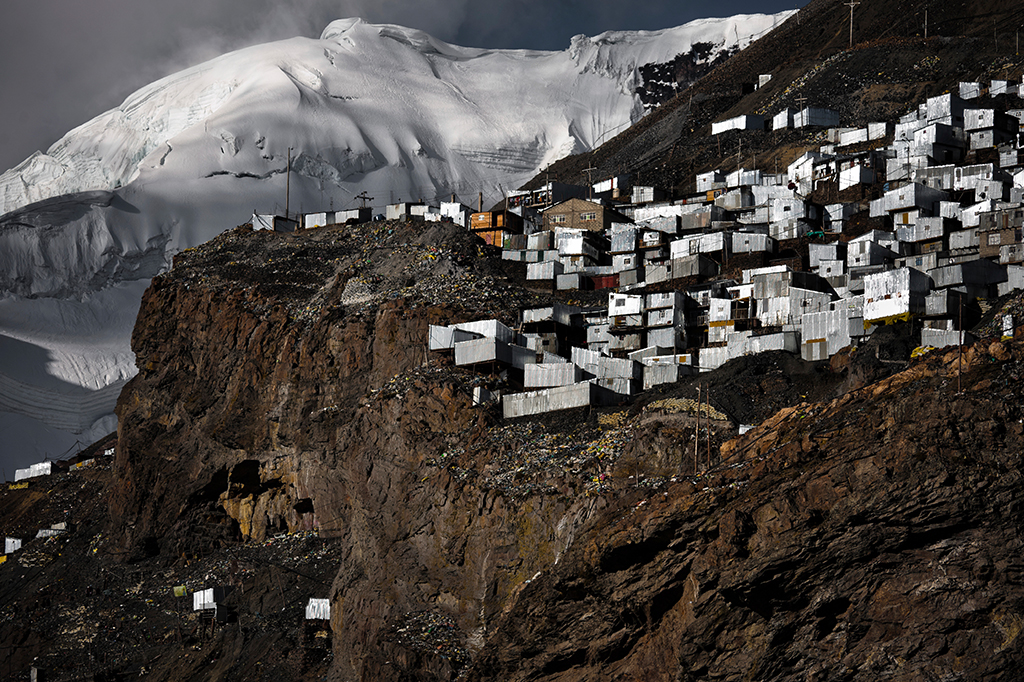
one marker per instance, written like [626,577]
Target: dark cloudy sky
[64,61]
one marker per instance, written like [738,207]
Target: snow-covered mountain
[377,108]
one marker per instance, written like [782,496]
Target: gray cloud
[65,61]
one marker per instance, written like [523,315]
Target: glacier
[381,109]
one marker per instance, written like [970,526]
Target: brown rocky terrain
[288,437]
[891,67]
[874,536]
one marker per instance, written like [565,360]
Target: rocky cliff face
[288,437]
[871,537]
[282,388]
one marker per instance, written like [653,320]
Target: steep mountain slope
[377,107]
[288,437]
[871,537]
[891,67]
[382,109]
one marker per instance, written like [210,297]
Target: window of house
[993,239]
[558,219]
[589,215]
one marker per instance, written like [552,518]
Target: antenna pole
[707,421]
[288,185]
[696,433]
[851,5]
[960,350]
[590,182]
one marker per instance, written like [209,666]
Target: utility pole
[288,185]
[851,5]
[707,421]
[590,182]
[926,24]
[364,198]
[960,349]
[696,433]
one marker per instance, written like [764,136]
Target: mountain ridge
[201,150]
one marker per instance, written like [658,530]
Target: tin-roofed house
[581,214]
[988,128]
[895,295]
[274,223]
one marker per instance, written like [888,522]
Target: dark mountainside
[289,436]
[891,68]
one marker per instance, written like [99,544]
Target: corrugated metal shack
[318,609]
[549,375]
[783,119]
[827,332]
[857,175]
[895,294]
[311,220]
[947,108]
[555,399]
[40,469]
[744,122]
[936,177]
[970,90]
[978,278]
[942,338]
[208,599]
[815,116]
[969,177]
[275,223]
[709,181]
[445,338]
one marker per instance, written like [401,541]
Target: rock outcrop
[288,437]
[265,404]
[871,537]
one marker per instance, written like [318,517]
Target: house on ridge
[580,214]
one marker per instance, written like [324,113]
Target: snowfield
[383,109]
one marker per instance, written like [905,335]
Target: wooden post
[851,5]
[288,185]
[696,433]
[707,422]
[960,349]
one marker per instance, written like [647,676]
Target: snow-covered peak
[619,52]
[358,61]
[345,32]
[381,109]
